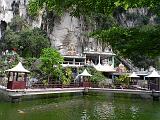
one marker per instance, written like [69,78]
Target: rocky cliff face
[135,17]
[10,8]
[67,32]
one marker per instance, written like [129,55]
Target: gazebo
[17,77]
[153,82]
[85,74]
[133,76]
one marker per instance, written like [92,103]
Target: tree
[133,43]
[140,44]
[67,76]
[27,40]
[10,40]
[51,63]
[122,79]
[32,41]
[88,7]
[18,23]
[96,75]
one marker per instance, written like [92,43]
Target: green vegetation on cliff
[88,7]
[26,41]
[139,43]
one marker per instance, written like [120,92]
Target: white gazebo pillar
[99,59]
[113,61]
[85,61]
[74,61]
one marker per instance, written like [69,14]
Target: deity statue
[71,49]
[15,7]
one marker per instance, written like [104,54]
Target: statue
[2,6]
[15,7]
[24,2]
[71,50]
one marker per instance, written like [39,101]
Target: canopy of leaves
[18,23]
[51,62]
[28,42]
[83,7]
[8,61]
[32,42]
[67,76]
[122,79]
[96,75]
[50,57]
[138,44]
[10,41]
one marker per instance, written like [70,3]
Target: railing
[55,85]
[107,50]
[73,63]
[59,85]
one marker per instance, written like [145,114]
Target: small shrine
[71,50]
[17,77]
[121,68]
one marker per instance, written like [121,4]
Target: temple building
[101,60]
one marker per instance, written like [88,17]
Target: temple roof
[95,53]
[104,68]
[133,75]
[153,74]
[18,68]
[85,73]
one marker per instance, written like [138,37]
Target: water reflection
[82,108]
[134,112]
[104,111]
[85,115]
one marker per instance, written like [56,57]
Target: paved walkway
[130,91]
[25,92]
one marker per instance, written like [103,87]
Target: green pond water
[89,107]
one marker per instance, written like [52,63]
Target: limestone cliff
[67,32]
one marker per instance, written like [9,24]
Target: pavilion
[134,77]
[85,75]
[153,82]
[17,77]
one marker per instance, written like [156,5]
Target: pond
[89,107]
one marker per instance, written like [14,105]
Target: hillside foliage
[139,44]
